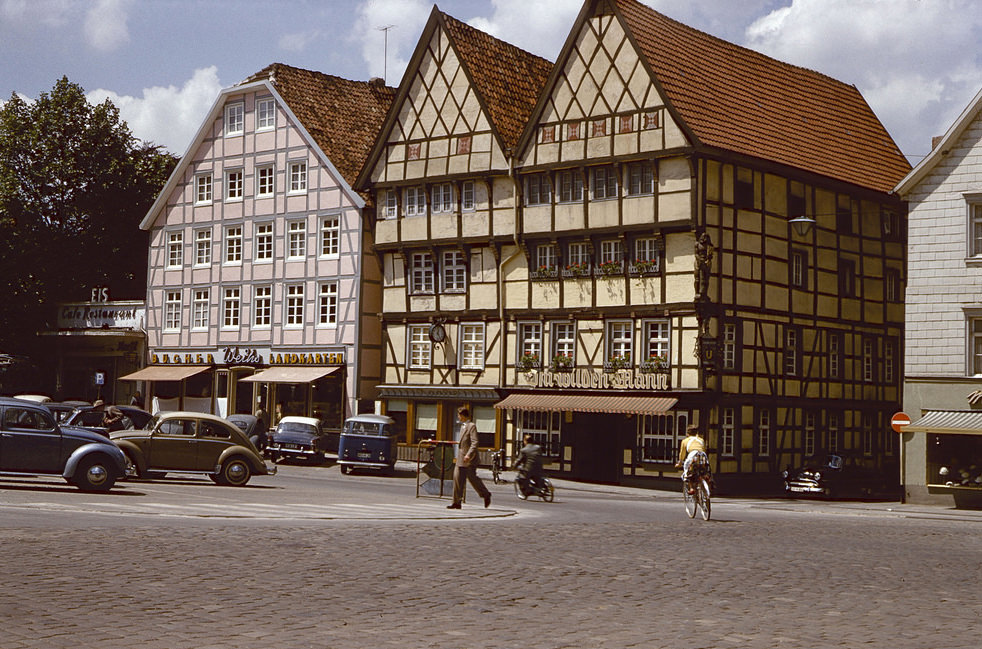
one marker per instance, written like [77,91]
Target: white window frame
[296,239]
[265,114]
[604,182]
[421,274]
[293,306]
[889,362]
[262,306]
[420,356]
[611,251]
[646,251]
[233,245]
[569,184]
[833,354]
[202,247]
[203,188]
[564,340]
[441,198]
[453,272]
[727,432]
[234,190]
[234,118]
[472,346]
[791,348]
[327,304]
[467,203]
[414,201]
[264,241]
[200,306]
[619,340]
[330,236]
[546,256]
[657,339]
[809,434]
[265,181]
[763,441]
[579,253]
[974,208]
[832,427]
[390,203]
[231,307]
[530,341]
[869,361]
[298,177]
[175,249]
[729,345]
[538,189]
[641,179]
[172,311]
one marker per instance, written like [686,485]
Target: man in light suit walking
[466,468]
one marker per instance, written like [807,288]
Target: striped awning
[631,405]
[950,422]
[291,374]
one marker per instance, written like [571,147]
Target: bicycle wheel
[690,500]
[548,493]
[496,474]
[518,491]
[704,505]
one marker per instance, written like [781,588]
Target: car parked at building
[91,418]
[191,442]
[33,443]
[368,441]
[298,438]
[834,478]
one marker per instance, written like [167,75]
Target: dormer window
[235,119]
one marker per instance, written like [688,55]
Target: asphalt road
[310,558]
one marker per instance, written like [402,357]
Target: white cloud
[298,41]
[167,116]
[50,13]
[406,18]
[105,25]
[537,26]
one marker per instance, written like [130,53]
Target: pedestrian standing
[466,468]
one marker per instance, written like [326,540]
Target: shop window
[484,419]
[398,409]
[659,436]
[975,329]
[544,428]
[954,460]
[426,422]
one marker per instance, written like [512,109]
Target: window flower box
[577,270]
[617,362]
[528,362]
[562,363]
[545,273]
[644,267]
[610,268]
[653,364]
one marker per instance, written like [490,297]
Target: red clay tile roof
[508,78]
[742,101]
[342,116]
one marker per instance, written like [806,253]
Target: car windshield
[835,462]
[362,428]
[296,427]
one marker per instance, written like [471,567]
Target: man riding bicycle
[529,463]
[692,451]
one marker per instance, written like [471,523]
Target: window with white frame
[729,345]
[546,257]
[454,272]
[472,346]
[538,189]
[233,185]
[199,309]
[641,179]
[975,221]
[799,268]
[202,247]
[611,251]
[172,311]
[891,281]
[233,244]
[763,433]
[265,114]
[441,198]
[235,119]
[467,195]
[414,201]
[868,361]
[833,355]
[421,273]
[294,305]
[647,256]
[327,304]
[604,182]
[809,434]
[175,249]
[791,343]
[264,241]
[330,236]
[832,424]
[296,239]
[620,343]
[545,429]
[298,177]
[231,306]
[889,362]
[579,255]
[265,182]
[262,306]
[390,204]
[530,345]
[202,188]
[564,341]
[657,339]
[569,185]
[659,435]
[420,347]
[727,432]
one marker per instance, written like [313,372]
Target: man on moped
[692,450]
[529,464]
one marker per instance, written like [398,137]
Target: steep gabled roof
[508,78]
[942,148]
[732,98]
[342,116]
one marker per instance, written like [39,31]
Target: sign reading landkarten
[597,379]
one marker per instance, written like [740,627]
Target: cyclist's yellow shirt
[692,443]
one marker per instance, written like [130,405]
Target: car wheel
[345,469]
[235,472]
[94,473]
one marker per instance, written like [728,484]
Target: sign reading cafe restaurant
[248,356]
[597,379]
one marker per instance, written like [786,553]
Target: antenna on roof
[385,50]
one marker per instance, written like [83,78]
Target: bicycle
[696,492]
[498,465]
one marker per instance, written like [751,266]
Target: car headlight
[785,475]
[818,475]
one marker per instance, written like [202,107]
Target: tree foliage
[74,186]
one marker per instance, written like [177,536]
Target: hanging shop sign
[102,315]
[597,379]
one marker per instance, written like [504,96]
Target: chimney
[377,82]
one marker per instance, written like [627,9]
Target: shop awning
[165,373]
[291,374]
[455,393]
[631,405]
[950,422]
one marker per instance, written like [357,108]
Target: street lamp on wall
[802,225]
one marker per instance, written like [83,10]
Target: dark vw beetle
[834,478]
[367,441]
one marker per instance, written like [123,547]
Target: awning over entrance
[426,392]
[165,373]
[291,374]
[589,403]
[951,422]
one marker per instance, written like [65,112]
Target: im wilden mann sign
[597,379]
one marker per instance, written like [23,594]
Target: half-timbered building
[637,266]
[263,288]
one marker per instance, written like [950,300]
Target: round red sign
[899,420]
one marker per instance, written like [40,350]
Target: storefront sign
[258,356]
[109,315]
[598,379]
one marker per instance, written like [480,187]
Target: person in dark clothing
[529,463]
[113,419]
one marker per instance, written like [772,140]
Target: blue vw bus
[367,441]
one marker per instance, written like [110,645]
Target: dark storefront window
[659,436]
[544,427]
[954,460]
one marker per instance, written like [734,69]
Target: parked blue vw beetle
[367,441]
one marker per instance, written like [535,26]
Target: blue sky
[917,62]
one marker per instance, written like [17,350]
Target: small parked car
[368,441]
[91,418]
[297,438]
[33,443]
[834,478]
[191,442]
[62,410]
